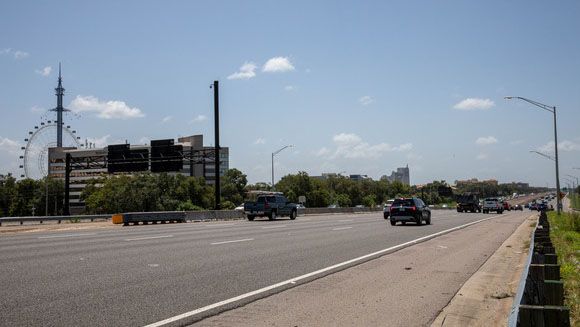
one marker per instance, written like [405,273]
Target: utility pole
[216,106]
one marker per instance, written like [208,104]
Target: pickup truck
[270,206]
[492,204]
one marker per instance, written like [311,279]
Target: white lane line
[67,235]
[234,241]
[311,274]
[217,225]
[270,227]
[345,220]
[342,228]
[147,238]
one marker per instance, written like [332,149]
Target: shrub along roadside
[565,235]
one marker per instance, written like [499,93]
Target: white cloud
[351,146]
[37,109]
[199,119]
[565,145]
[516,142]
[322,152]
[486,140]
[278,65]
[104,109]
[474,104]
[260,140]
[482,156]
[247,71]
[9,146]
[17,54]
[44,71]
[289,88]
[20,55]
[166,119]
[366,100]
[99,142]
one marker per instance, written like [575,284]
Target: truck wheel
[420,221]
[293,215]
[273,215]
[251,218]
[385,215]
[393,222]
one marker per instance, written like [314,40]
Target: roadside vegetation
[565,235]
[575,200]
[168,192]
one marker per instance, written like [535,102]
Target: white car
[387,208]
[240,207]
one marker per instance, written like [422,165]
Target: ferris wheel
[35,156]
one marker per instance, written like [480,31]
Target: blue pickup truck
[270,206]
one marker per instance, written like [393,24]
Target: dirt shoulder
[407,288]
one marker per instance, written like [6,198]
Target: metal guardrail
[513,317]
[42,219]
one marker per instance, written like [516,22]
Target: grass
[575,201]
[565,235]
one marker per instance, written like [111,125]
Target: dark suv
[410,210]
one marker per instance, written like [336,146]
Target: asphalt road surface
[137,275]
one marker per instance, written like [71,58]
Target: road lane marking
[345,220]
[234,241]
[67,235]
[342,228]
[270,227]
[214,225]
[147,238]
[293,281]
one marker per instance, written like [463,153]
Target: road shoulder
[486,298]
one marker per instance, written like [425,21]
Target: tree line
[169,192]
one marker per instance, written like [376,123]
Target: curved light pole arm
[275,153]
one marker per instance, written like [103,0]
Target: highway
[138,275]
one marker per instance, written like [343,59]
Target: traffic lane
[179,267]
[61,242]
[405,288]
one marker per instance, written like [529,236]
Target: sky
[357,87]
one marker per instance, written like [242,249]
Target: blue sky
[359,87]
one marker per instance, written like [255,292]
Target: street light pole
[273,154]
[544,155]
[551,109]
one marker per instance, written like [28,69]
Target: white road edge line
[235,241]
[311,274]
[217,225]
[147,238]
[345,220]
[342,228]
[66,235]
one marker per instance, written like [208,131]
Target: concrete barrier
[58,219]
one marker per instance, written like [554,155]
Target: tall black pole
[216,106]
[558,199]
[67,170]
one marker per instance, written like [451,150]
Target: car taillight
[413,208]
[392,208]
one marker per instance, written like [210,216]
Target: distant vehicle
[410,210]
[533,206]
[518,207]
[468,202]
[492,204]
[387,208]
[506,206]
[359,206]
[270,206]
[300,206]
[240,207]
[334,206]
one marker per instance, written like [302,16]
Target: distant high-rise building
[401,175]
